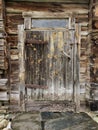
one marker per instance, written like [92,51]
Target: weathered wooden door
[49,64]
[50,70]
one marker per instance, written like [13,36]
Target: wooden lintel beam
[42,14]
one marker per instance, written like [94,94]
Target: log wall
[93,30]
[4,59]
[3,43]
[14,18]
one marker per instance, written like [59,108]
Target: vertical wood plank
[4,57]
[1,9]
[70,63]
[21,46]
[27,22]
[76,69]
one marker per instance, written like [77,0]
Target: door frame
[28,16]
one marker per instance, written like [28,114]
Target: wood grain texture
[21,47]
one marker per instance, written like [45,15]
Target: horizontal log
[14,78]
[3,81]
[96,65]
[95,24]
[34,86]
[81,20]
[14,97]
[13,47]
[83,65]
[83,58]
[14,69]
[19,7]
[2,25]
[96,60]
[2,42]
[82,69]
[2,34]
[2,59]
[14,51]
[13,20]
[83,45]
[3,65]
[11,29]
[14,62]
[84,33]
[3,109]
[2,53]
[83,39]
[13,81]
[84,28]
[64,1]
[95,37]
[12,39]
[2,48]
[14,57]
[14,87]
[3,88]
[4,96]
[42,14]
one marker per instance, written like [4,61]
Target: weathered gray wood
[3,81]
[76,84]
[21,46]
[27,23]
[57,86]
[4,96]
[42,14]
[15,8]
[3,88]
